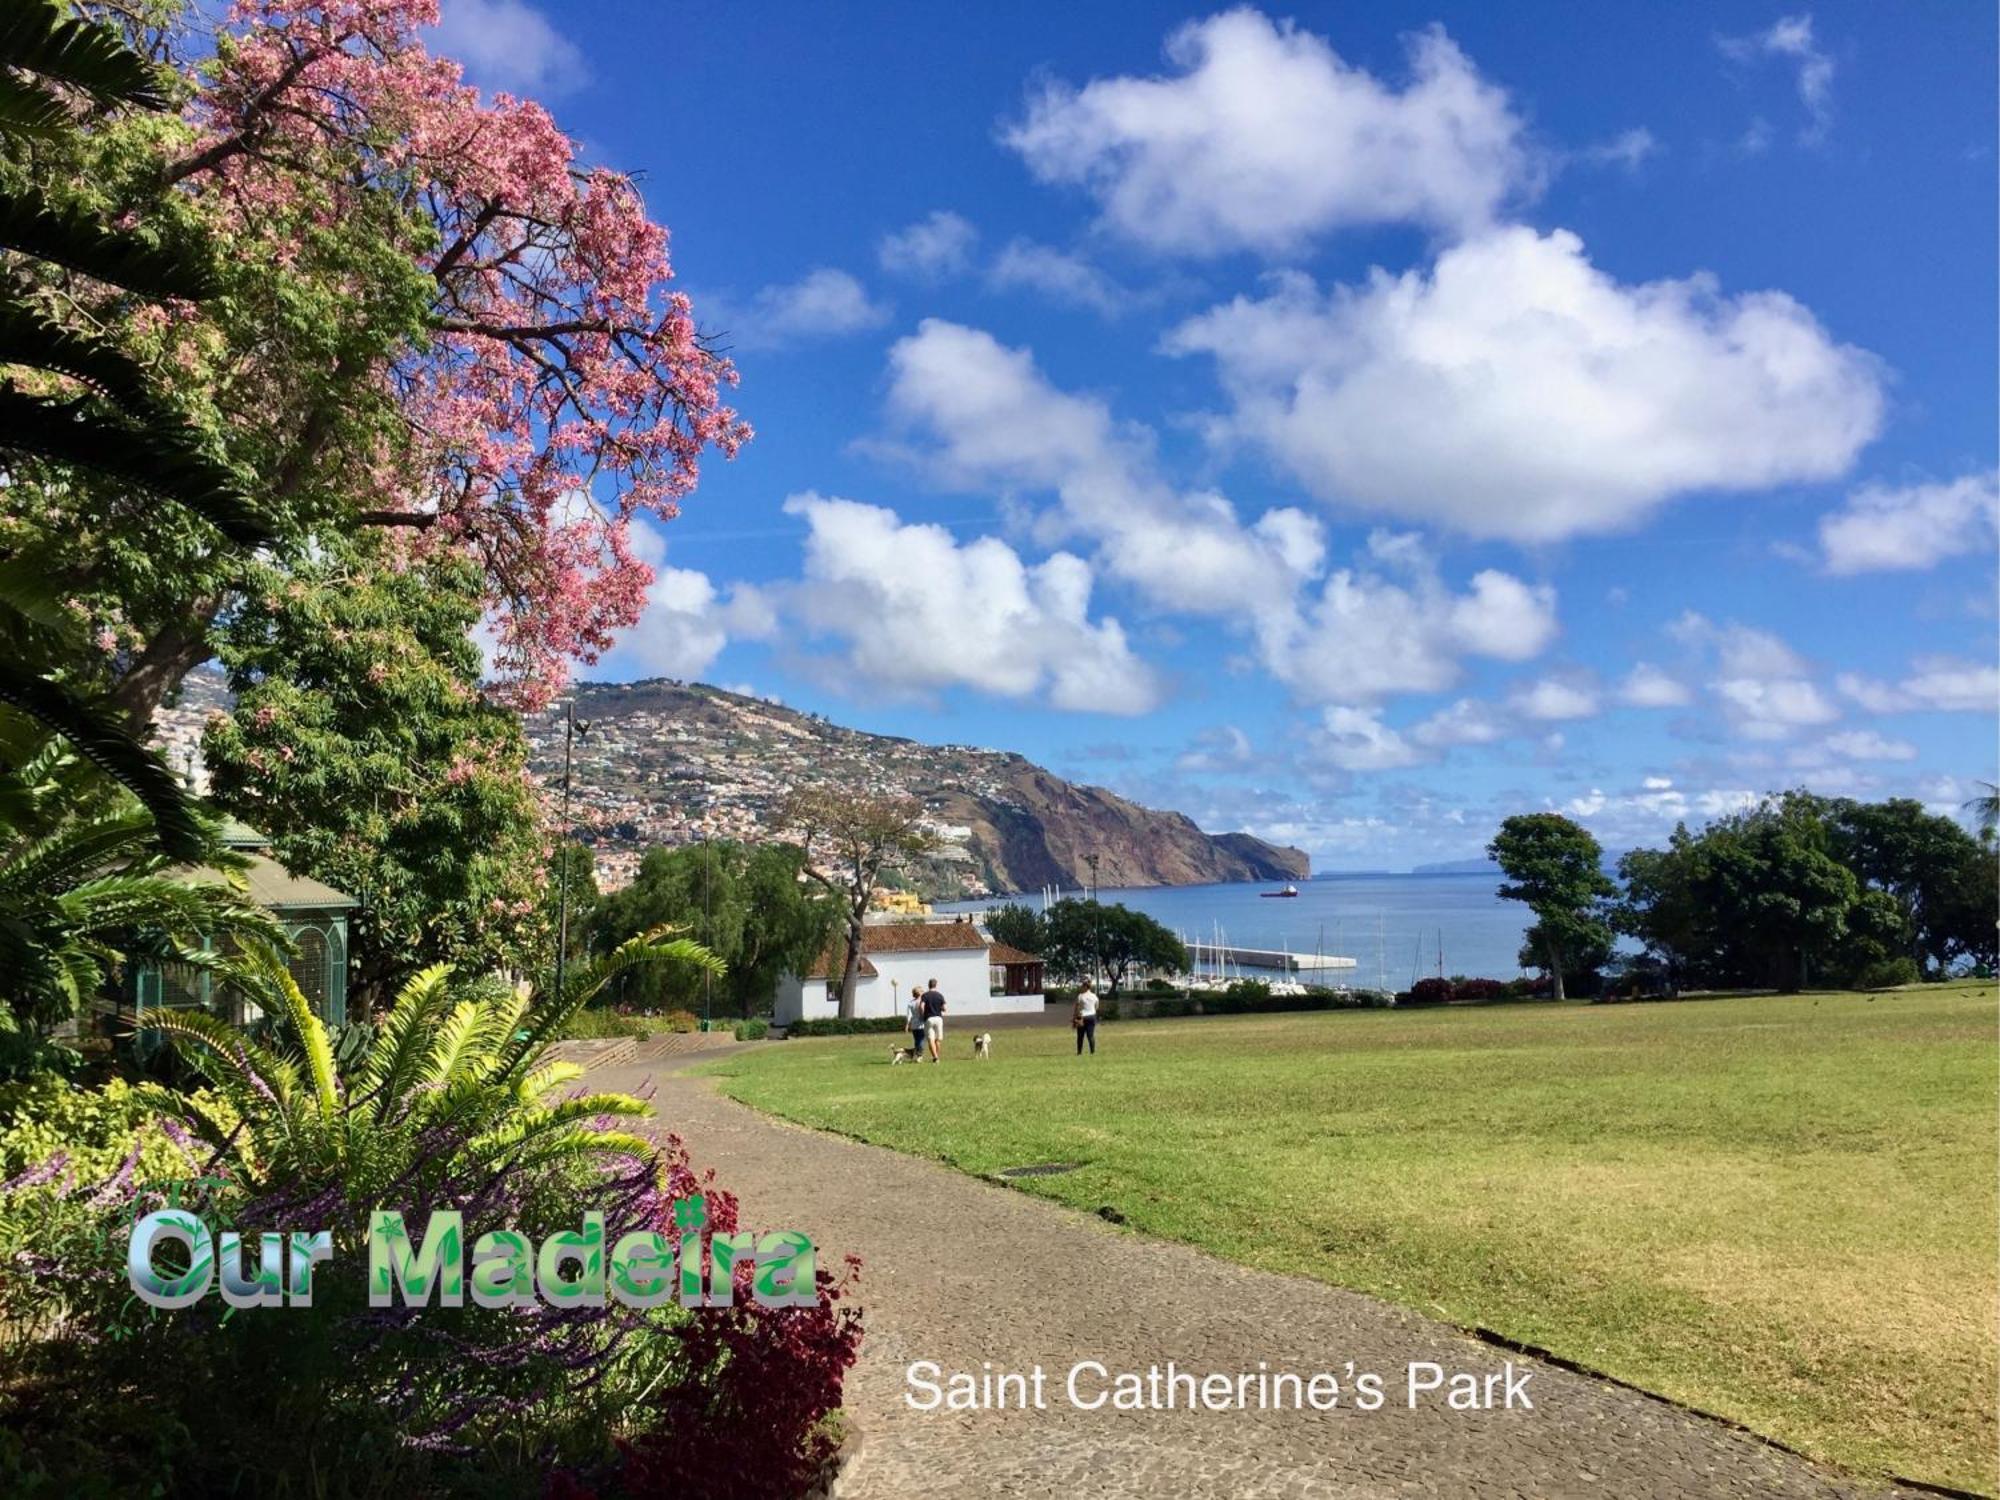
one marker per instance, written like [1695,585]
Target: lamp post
[1096,933]
[574,729]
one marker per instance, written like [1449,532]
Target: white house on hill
[977,976]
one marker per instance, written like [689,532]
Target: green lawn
[1781,1209]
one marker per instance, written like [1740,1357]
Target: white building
[976,976]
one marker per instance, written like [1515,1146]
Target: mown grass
[1781,1209]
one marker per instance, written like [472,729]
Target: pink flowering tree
[437,323]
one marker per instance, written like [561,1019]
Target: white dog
[982,1046]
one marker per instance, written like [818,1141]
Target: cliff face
[1042,831]
[665,762]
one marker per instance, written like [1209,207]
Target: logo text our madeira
[568,1269]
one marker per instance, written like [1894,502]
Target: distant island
[1479,866]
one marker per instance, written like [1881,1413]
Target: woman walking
[1083,1016]
[915,1020]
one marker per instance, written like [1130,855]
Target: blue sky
[1350,423]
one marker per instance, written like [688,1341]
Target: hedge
[836,1026]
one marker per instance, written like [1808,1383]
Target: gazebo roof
[275,888]
[1003,953]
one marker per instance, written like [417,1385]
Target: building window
[308,967]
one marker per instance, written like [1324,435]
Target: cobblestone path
[966,1273]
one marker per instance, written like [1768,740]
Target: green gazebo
[312,914]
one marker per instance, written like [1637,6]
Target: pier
[1210,956]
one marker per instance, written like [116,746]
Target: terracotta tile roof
[902,937]
[921,937]
[1001,953]
[829,964]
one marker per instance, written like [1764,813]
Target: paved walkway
[963,1272]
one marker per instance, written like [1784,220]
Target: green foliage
[847,1026]
[83,885]
[361,743]
[1806,888]
[1555,866]
[462,1060]
[745,904]
[1080,938]
[753,1030]
[94,1129]
[1017,926]
[82,406]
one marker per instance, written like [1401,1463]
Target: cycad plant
[454,1087]
[84,885]
[73,407]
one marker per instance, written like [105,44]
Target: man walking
[1083,1016]
[933,1003]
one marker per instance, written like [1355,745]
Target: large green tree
[750,905]
[1556,867]
[360,741]
[1083,938]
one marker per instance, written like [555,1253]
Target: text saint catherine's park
[756,752]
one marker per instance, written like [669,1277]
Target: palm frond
[395,1061]
[306,1027]
[99,738]
[27,108]
[65,235]
[73,851]
[453,1045]
[549,1014]
[40,344]
[551,1075]
[39,38]
[164,459]
[225,1054]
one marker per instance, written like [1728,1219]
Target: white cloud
[1555,698]
[919,612]
[1224,748]
[1466,722]
[938,245]
[1884,528]
[1518,391]
[687,621]
[506,44]
[1646,686]
[1866,744]
[824,303]
[1627,149]
[1264,138]
[1791,37]
[1942,683]
[1355,739]
[1394,627]
[997,421]
[1764,688]
[1059,276]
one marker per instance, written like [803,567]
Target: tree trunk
[847,978]
[173,652]
[1556,970]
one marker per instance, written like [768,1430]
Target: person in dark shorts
[915,1016]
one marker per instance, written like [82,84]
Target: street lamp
[574,729]
[1096,931]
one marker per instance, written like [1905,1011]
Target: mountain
[666,763]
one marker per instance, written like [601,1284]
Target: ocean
[1391,925]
